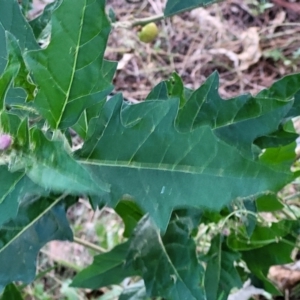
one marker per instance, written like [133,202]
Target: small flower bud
[5,141]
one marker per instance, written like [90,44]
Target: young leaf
[168,263]
[140,152]
[37,223]
[106,269]
[69,71]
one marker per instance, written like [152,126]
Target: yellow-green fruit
[148,33]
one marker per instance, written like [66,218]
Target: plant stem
[145,21]
[89,245]
[138,22]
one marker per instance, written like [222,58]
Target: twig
[89,245]
[138,22]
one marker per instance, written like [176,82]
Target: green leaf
[168,263]
[282,137]
[159,92]
[40,22]
[38,222]
[176,88]
[220,274]
[26,6]
[11,292]
[85,125]
[15,57]
[15,188]
[130,214]
[250,220]
[52,167]
[7,78]
[135,291]
[268,203]
[262,236]
[14,22]
[16,72]
[78,39]
[241,120]
[106,269]
[260,260]
[174,7]
[9,123]
[3,51]
[280,156]
[158,165]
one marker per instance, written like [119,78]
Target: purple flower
[5,141]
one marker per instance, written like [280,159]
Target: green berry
[148,33]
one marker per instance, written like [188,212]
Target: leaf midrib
[74,66]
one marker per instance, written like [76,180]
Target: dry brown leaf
[252,52]
[284,277]
[279,18]
[124,61]
[230,54]
[204,17]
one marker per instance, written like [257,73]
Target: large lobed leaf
[201,153]
[168,263]
[68,72]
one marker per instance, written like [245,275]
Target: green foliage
[11,292]
[178,160]
[177,6]
[220,273]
